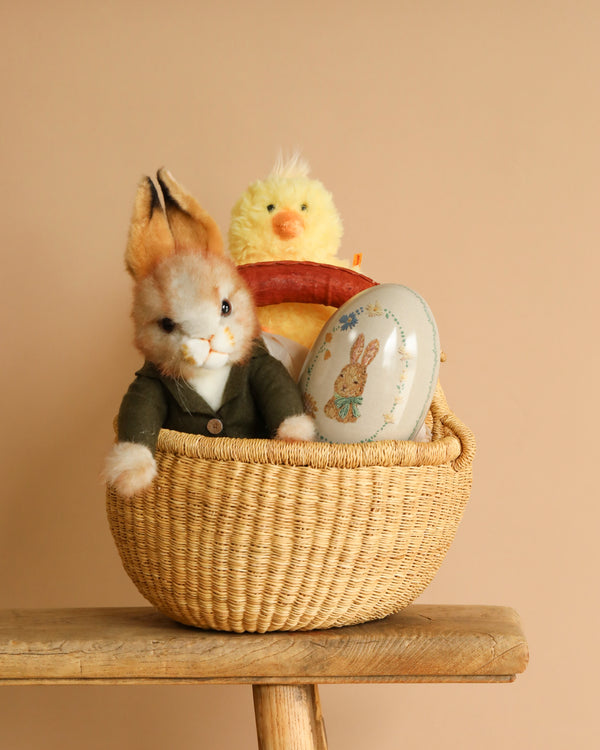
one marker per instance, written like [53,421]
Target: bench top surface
[423,643]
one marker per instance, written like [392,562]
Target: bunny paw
[130,468]
[296,428]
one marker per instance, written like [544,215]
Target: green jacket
[258,396]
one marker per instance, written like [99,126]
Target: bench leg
[288,717]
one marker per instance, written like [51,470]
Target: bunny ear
[357,348]
[192,227]
[370,352]
[150,239]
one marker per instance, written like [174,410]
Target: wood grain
[423,643]
[289,717]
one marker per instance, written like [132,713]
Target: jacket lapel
[234,385]
[187,398]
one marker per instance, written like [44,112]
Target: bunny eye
[271,207]
[225,308]
[167,325]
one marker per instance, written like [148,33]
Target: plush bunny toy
[206,370]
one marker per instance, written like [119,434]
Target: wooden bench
[116,646]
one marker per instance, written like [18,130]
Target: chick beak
[288,224]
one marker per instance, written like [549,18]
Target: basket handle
[444,417]
[273,282]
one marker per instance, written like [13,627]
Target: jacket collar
[186,397]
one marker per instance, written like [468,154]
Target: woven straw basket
[260,535]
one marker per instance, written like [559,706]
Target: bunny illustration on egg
[372,372]
[351,382]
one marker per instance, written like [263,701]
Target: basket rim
[453,443]
[318,455]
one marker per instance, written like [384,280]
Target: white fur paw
[296,428]
[130,468]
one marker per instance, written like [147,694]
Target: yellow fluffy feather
[288,216]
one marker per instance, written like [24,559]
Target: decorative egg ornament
[372,372]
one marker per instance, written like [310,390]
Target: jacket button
[214,426]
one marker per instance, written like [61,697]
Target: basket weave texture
[260,535]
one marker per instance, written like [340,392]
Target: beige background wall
[460,140]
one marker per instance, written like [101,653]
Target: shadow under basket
[261,535]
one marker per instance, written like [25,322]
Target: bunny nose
[288,224]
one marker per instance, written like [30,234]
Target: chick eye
[271,207]
[225,308]
[304,207]
[167,325]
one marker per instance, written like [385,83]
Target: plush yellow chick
[288,216]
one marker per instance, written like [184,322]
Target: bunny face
[193,311]
[351,381]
